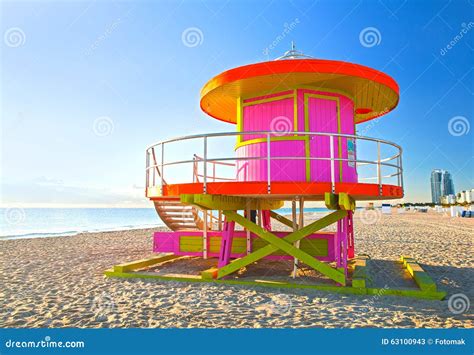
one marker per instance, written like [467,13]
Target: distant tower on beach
[441,185]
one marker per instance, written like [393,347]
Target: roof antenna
[293,54]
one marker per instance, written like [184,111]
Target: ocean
[48,222]
[18,223]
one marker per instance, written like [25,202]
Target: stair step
[174,209]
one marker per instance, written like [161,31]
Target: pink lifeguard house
[295,141]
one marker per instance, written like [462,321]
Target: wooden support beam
[281,219]
[346,202]
[341,201]
[285,244]
[331,201]
[140,264]
[233,203]
[297,243]
[422,279]
[361,277]
[226,243]
[209,273]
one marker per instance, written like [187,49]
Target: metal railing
[214,164]
[155,171]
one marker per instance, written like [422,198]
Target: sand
[59,282]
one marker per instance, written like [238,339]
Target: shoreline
[38,235]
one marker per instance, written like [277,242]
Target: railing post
[204,235]
[401,169]
[147,173]
[398,171]
[162,168]
[331,152]
[268,164]
[379,169]
[205,166]
[248,238]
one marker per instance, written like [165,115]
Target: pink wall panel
[260,117]
[320,171]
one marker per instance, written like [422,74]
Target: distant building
[448,200]
[465,196]
[441,185]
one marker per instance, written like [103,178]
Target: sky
[87,86]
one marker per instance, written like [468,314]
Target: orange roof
[374,93]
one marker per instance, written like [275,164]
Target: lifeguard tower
[295,141]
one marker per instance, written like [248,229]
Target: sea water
[18,223]
[47,222]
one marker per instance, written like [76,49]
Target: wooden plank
[346,202]
[139,264]
[422,279]
[209,273]
[284,244]
[225,202]
[361,275]
[331,201]
[281,219]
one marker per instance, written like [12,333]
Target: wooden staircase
[177,216]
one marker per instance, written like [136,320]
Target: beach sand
[59,282]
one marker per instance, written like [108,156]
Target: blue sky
[65,65]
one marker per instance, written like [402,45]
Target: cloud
[50,192]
